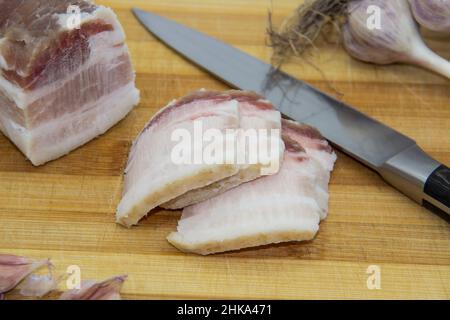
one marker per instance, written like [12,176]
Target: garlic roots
[432,14]
[397,40]
[302,29]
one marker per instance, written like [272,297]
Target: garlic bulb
[432,14]
[395,40]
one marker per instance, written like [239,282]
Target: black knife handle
[420,177]
[438,185]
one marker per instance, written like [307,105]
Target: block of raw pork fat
[65,75]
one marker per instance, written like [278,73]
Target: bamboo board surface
[65,209]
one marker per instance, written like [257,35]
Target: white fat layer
[197,222]
[41,145]
[308,225]
[142,189]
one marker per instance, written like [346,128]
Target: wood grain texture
[65,209]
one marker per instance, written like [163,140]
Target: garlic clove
[38,285]
[424,57]
[13,269]
[91,290]
[396,41]
[432,14]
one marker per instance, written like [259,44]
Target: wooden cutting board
[65,209]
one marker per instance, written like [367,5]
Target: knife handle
[437,185]
[420,177]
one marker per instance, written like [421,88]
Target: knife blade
[397,158]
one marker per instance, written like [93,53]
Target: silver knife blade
[396,157]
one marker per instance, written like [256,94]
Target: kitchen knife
[397,158]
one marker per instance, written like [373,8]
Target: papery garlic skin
[38,285]
[391,43]
[14,269]
[432,14]
[91,290]
[397,40]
